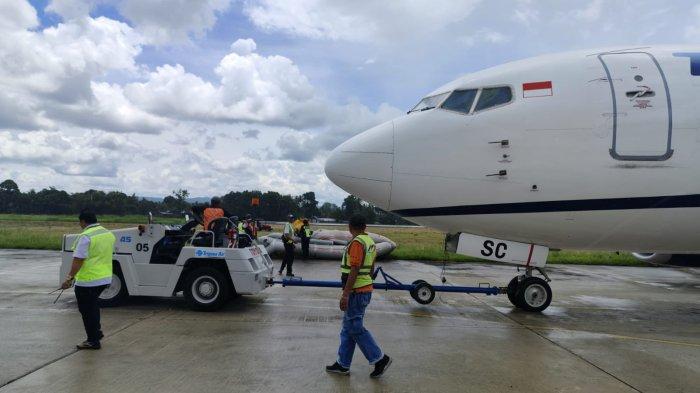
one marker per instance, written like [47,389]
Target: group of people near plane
[246,226]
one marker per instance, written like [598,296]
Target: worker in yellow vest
[356,274]
[91,272]
[305,234]
[288,241]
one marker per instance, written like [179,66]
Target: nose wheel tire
[533,294]
[206,289]
[422,292]
[117,292]
[512,290]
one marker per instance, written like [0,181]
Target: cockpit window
[429,103]
[493,96]
[460,101]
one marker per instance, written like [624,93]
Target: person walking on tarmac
[288,240]
[305,233]
[356,274]
[91,273]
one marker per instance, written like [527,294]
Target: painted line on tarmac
[618,336]
[555,343]
[74,351]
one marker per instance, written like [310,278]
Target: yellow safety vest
[97,267]
[364,277]
[288,232]
[240,227]
[308,232]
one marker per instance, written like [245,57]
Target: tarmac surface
[609,329]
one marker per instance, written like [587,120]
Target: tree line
[269,205]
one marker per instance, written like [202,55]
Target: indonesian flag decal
[537,89]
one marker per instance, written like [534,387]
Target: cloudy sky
[147,96]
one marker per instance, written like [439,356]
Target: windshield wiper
[421,109]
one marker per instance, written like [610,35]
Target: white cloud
[485,36]
[110,110]
[590,13]
[343,122]
[70,9]
[357,20]
[526,13]
[258,89]
[251,88]
[56,104]
[16,15]
[48,76]
[251,134]
[173,21]
[60,153]
[170,91]
[244,46]
[692,31]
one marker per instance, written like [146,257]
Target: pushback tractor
[207,266]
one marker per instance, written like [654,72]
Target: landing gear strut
[530,293]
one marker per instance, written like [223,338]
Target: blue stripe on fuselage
[635,203]
[694,61]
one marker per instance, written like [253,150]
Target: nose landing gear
[530,293]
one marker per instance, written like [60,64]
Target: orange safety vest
[211,214]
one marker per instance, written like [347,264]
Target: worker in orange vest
[213,212]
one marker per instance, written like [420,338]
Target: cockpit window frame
[472,110]
[481,89]
[471,107]
[437,104]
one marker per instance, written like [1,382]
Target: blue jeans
[353,332]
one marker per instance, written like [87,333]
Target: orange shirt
[356,252]
[210,214]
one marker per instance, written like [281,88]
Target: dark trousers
[90,310]
[305,247]
[288,259]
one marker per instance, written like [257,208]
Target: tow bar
[420,290]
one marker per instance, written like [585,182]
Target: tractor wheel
[117,292]
[206,289]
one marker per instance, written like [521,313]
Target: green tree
[177,201]
[9,185]
[330,210]
[351,205]
[10,197]
[307,204]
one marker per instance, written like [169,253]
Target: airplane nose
[363,165]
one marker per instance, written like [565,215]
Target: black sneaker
[337,369]
[88,345]
[381,366]
[290,275]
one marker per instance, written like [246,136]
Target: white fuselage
[601,153]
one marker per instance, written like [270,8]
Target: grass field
[45,232]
